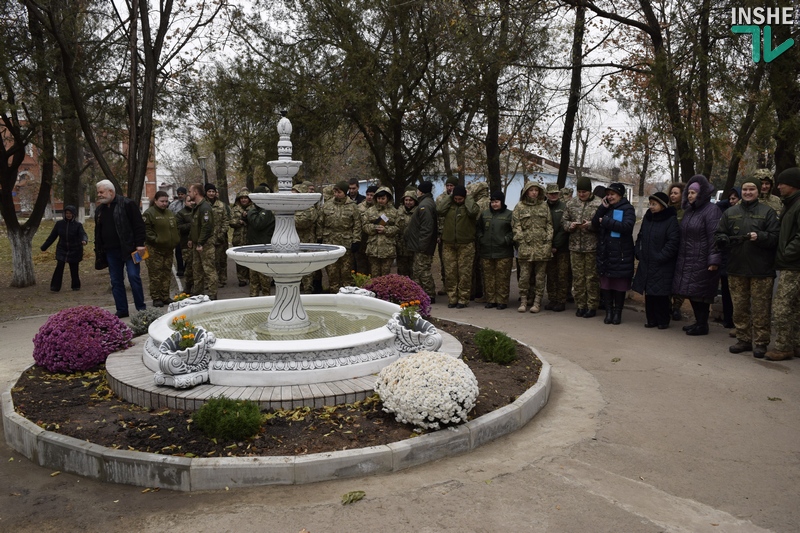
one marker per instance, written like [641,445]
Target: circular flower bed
[428,389]
[79,338]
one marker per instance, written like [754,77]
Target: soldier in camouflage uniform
[260,227]
[459,213]
[494,232]
[201,241]
[222,220]
[765,196]
[306,221]
[533,232]
[786,309]
[577,221]
[449,184]
[239,224]
[161,238]
[184,220]
[479,191]
[361,259]
[676,201]
[565,194]
[380,224]
[558,266]
[751,273]
[421,235]
[405,257]
[339,223]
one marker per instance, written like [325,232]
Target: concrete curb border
[67,454]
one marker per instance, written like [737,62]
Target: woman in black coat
[71,240]
[656,250]
[614,221]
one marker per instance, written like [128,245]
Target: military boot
[778,355]
[537,305]
[523,298]
[740,347]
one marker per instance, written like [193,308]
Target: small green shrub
[226,419]
[496,346]
[142,320]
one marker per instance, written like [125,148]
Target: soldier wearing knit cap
[458,213]
[577,222]
[339,223]
[494,232]
[786,308]
[420,235]
[748,231]
[380,225]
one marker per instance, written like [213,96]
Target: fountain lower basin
[252,358]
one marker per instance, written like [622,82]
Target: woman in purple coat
[697,266]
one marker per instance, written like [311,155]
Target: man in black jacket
[119,232]
[421,234]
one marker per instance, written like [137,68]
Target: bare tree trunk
[705,111]
[221,161]
[754,115]
[785,88]
[492,110]
[574,93]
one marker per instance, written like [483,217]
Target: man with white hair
[119,232]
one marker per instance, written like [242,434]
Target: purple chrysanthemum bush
[79,338]
[400,289]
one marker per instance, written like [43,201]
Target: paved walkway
[645,431]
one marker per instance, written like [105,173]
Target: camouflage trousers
[259,283]
[458,262]
[221,261]
[558,277]
[477,274]
[380,266]
[786,311]
[752,300]
[532,276]
[421,273]
[307,284]
[242,272]
[496,279]
[340,273]
[585,281]
[677,302]
[405,265]
[204,271]
[159,270]
[188,277]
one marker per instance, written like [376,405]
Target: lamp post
[202,161]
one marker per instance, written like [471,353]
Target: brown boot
[778,355]
[740,347]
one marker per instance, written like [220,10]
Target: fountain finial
[284,168]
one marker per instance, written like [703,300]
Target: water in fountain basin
[245,324]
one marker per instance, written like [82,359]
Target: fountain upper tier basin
[282,265]
[285,202]
[241,360]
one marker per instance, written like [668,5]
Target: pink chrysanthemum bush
[79,338]
[400,289]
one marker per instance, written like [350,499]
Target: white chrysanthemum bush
[428,390]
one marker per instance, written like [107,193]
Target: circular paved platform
[132,381]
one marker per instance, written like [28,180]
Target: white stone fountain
[284,341]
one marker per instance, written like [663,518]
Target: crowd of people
[580,248]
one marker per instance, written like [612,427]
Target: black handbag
[100,261]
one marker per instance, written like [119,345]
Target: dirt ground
[82,406]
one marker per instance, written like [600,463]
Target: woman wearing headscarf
[614,221]
[496,240]
[697,267]
[656,250]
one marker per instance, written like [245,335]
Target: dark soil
[82,406]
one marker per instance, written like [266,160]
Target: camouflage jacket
[339,223]
[239,224]
[381,245]
[532,226]
[584,239]
[771,200]
[222,220]
[306,223]
[479,190]
[403,217]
